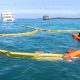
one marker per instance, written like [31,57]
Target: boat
[7,16]
[46,18]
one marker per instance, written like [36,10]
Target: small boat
[46,18]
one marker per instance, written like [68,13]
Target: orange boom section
[76,36]
[71,54]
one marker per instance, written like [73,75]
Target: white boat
[7,17]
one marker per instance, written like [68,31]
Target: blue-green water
[26,69]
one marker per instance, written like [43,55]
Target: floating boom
[45,56]
[20,34]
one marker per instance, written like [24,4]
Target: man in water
[79,35]
[72,54]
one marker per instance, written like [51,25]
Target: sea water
[56,42]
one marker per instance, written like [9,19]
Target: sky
[38,8]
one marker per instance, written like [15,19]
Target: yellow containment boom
[20,34]
[44,56]
[46,30]
[63,30]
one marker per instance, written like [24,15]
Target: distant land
[46,17]
[49,18]
[64,18]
